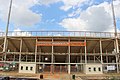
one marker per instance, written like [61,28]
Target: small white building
[27,68]
[93,68]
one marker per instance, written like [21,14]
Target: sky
[60,15]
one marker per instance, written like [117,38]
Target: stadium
[69,52]
[61,52]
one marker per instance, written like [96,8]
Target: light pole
[6,32]
[114,20]
[116,37]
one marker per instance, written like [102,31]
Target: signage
[44,44]
[77,44]
[110,67]
[61,44]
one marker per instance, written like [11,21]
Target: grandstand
[61,51]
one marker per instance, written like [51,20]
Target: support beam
[85,53]
[69,69]
[52,59]
[81,58]
[36,50]
[117,52]
[107,59]
[14,57]
[101,51]
[21,42]
[5,52]
[98,59]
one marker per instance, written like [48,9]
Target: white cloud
[73,24]
[47,2]
[94,18]
[67,4]
[74,13]
[71,4]
[117,8]
[108,8]
[21,14]
[97,19]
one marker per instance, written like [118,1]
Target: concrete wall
[93,69]
[27,68]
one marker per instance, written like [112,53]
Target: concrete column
[52,59]
[106,59]
[36,50]
[101,51]
[117,56]
[40,59]
[85,53]
[117,46]
[69,69]
[117,63]
[6,50]
[21,41]
[117,52]
[35,55]
[52,68]
[80,58]
[14,58]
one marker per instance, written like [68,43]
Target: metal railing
[61,33]
[2,34]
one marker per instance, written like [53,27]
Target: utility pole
[116,37]
[6,32]
[114,20]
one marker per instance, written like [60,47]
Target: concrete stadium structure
[62,51]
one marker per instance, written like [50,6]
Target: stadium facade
[62,51]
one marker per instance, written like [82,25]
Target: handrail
[2,34]
[61,33]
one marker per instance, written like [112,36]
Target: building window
[31,68]
[21,67]
[94,69]
[89,69]
[99,69]
[105,68]
[26,68]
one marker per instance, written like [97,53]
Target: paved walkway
[57,76]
